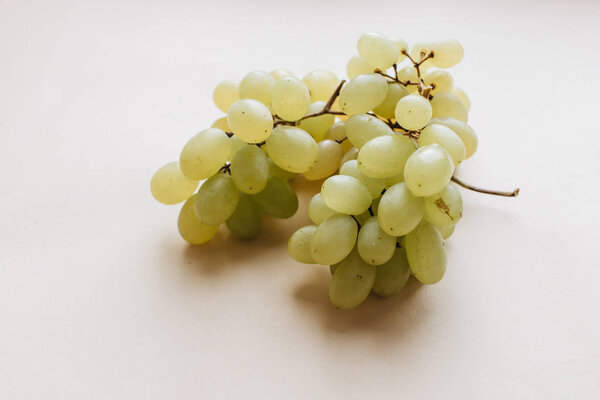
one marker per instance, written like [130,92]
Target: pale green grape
[277,199]
[328,160]
[385,156]
[446,53]
[445,137]
[402,46]
[280,172]
[250,169]
[352,282]
[399,212]
[462,96]
[446,231]
[357,66]
[351,154]
[464,132]
[225,94]
[170,186]
[363,93]
[279,73]
[408,74]
[413,112]
[444,208]
[440,80]
[374,245]
[299,244]
[217,199]
[377,50]
[317,126]
[420,50]
[387,108]
[321,84]
[236,144]
[250,120]
[246,220]
[257,85]
[393,275]
[428,170]
[221,124]
[205,154]
[425,252]
[334,239]
[374,185]
[318,210]
[292,149]
[346,195]
[290,98]
[446,104]
[337,132]
[361,128]
[190,228]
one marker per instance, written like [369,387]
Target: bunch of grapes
[394,134]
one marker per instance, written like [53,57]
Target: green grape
[277,199]
[413,112]
[363,93]
[446,53]
[419,50]
[236,144]
[444,208]
[318,210]
[257,85]
[392,276]
[425,252]
[387,108]
[217,199]
[246,220]
[357,66]
[250,120]
[446,104]
[385,156]
[290,99]
[377,50]
[462,96]
[374,245]
[464,132]
[352,282]
[334,239]
[337,132]
[250,169]
[279,172]
[446,231]
[221,124]
[440,80]
[190,228]
[292,149]
[225,94]
[351,154]
[402,46]
[346,195]
[205,154]
[445,137]
[399,212]
[408,74]
[321,84]
[170,186]
[279,73]
[328,160]
[428,170]
[317,126]
[299,244]
[361,128]
[374,185]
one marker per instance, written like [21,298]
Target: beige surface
[100,299]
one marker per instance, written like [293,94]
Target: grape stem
[226,168]
[327,108]
[514,193]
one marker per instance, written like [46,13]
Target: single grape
[279,73]
[392,276]
[250,169]
[440,80]
[317,126]
[361,128]
[374,185]
[170,186]
[413,112]
[446,53]
[257,85]
[216,200]
[445,137]
[299,244]
[408,74]
[334,239]
[357,66]
[462,96]
[277,199]
[205,154]
[402,47]
[290,98]
[250,120]
[387,108]
[399,212]
[321,84]
[246,220]
[363,93]
[292,149]
[446,104]
[190,228]
[346,195]
[464,132]
[225,94]
[444,208]
[352,282]
[425,252]
[328,160]
[428,170]
[374,245]
[318,210]
[377,50]
[385,156]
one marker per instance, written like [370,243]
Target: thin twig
[327,108]
[226,168]
[514,193]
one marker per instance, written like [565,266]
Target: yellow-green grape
[440,80]
[351,154]
[221,124]
[205,154]
[299,244]
[321,84]
[246,220]
[399,212]
[393,275]
[337,132]
[292,149]
[352,282]
[236,144]
[374,185]
[446,104]
[408,74]
[290,99]
[377,50]
[402,47]
[279,73]
[225,94]
[392,180]
[374,245]
[413,112]
[170,186]
[328,160]
[462,96]
[446,231]
[385,156]
[250,120]
[257,85]
[419,51]
[428,170]
[317,126]
[346,195]
[445,137]
[387,108]
[446,53]
[318,210]
[444,208]
[280,172]
[334,239]
[357,66]
[464,132]
[363,93]
[190,228]
[277,199]
[217,199]
[250,169]
[361,128]
[425,252]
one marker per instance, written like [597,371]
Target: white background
[101,299]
